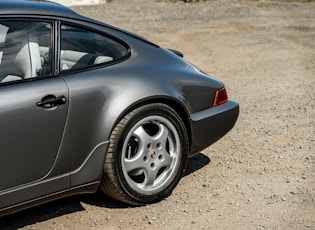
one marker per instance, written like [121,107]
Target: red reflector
[220,97]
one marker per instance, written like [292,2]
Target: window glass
[81,48]
[25,49]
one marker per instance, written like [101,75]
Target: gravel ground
[259,176]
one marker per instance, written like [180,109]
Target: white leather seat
[70,59]
[102,59]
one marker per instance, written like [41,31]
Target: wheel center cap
[152,154]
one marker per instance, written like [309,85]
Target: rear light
[220,97]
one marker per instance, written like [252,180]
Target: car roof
[36,7]
[47,8]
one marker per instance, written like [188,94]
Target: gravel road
[262,174]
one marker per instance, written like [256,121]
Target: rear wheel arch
[180,109]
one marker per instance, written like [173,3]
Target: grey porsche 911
[87,106]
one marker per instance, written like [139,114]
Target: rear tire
[147,155]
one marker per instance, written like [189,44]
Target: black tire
[147,155]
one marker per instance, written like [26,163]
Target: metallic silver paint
[29,132]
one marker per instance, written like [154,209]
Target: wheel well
[180,110]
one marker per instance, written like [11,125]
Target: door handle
[51,101]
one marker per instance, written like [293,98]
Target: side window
[81,48]
[25,49]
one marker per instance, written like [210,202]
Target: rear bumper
[210,125]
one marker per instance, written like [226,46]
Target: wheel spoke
[139,159]
[150,176]
[151,173]
[134,163]
[167,160]
[162,135]
[142,135]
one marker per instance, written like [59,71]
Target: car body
[87,106]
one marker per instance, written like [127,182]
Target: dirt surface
[262,174]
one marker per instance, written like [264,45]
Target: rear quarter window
[82,48]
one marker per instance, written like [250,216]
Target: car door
[33,103]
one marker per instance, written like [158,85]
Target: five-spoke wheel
[147,155]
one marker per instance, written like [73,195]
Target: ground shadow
[73,204]
[196,162]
